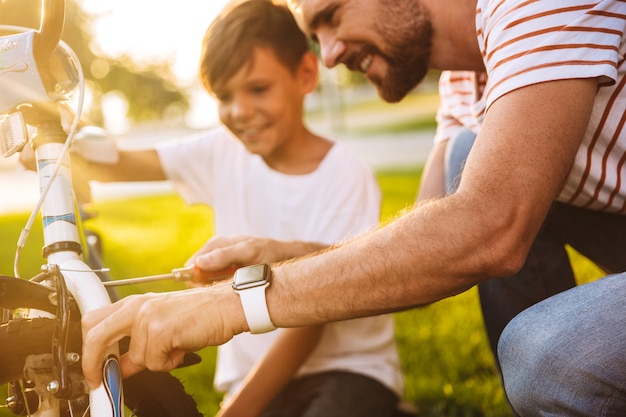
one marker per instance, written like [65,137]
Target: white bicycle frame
[58,209]
[60,225]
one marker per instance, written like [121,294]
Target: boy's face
[262,104]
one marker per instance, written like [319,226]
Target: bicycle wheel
[147,394]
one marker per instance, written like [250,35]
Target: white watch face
[251,276]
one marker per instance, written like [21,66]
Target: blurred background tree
[151,93]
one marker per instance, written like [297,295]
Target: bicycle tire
[147,394]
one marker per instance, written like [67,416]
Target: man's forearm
[407,263]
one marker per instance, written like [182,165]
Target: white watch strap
[255,309]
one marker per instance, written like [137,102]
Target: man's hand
[162,328]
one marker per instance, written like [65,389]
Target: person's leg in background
[334,394]
[457,150]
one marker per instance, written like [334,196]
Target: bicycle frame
[26,61]
[62,247]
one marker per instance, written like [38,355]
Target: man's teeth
[365,64]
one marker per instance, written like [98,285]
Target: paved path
[19,189]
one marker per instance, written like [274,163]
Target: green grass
[446,361]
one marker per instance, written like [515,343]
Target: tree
[150,93]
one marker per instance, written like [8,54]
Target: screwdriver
[188,273]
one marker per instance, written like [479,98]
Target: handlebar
[37,66]
[50,28]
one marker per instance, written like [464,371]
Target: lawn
[448,367]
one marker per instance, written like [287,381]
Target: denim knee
[533,372]
[565,355]
[521,357]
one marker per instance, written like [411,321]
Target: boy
[269,177]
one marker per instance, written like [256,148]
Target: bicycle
[40,335]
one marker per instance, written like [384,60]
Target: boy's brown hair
[230,40]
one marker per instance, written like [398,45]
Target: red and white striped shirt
[529,42]
[460,105]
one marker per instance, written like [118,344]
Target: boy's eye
[259,89]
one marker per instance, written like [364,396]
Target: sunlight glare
[154,30]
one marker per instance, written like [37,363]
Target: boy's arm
[141,165]
[273,372]
[136,165]
[433,176]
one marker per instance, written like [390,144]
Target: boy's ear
[308,72]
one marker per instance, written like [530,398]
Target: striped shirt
[460,106]
[529,42]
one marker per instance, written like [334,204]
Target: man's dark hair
[231,38]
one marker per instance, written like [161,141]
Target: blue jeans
[457,150]
[333,394]
[566,356]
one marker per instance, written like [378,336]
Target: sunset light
[154,30]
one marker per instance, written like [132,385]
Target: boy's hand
[27,158]
[162,328]
[224,253]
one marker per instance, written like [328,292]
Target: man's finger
[101,329]
[129,368]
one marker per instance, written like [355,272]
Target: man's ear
[308,72]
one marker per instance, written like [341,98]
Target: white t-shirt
[340,199]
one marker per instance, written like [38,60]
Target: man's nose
[331,48]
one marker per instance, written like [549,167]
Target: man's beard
[408,32]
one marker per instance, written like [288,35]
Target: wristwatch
[250,283]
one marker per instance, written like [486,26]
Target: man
[552,130]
